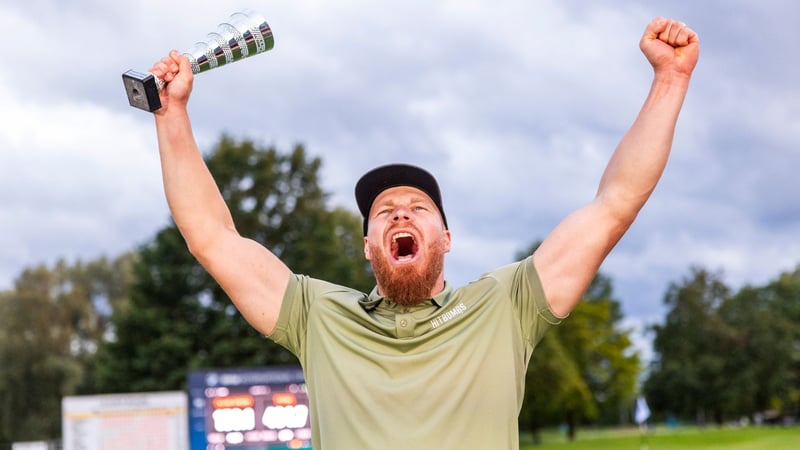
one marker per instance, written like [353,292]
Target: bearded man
[417,363]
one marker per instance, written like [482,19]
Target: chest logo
[448,315]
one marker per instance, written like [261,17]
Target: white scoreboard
[138,421]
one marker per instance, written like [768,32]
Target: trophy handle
[245,34]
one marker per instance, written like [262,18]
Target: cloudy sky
[515,105]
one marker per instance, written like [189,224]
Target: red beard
[409,285]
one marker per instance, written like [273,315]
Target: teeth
[401,235]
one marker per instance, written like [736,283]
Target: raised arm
[570,256]
[252,276]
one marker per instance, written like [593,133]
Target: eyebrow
[412,200]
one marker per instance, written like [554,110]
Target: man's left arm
[568,259]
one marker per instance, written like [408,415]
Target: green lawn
[682,438]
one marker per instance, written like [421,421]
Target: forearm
[568,259]
[639,160]
[193,197]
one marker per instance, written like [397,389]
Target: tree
[553,386]
[181,319]
[724,356]
[767,322]
[785,291]
[758,366]
[51,325]
[688,376]
[585,368]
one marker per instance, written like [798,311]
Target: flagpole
[640,415]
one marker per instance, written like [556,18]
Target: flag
[642,412]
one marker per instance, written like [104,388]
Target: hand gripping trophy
[245,34]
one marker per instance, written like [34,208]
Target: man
[416,363]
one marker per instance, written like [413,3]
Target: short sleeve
[527,295]
[291,327]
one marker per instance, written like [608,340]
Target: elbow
[201,250]
[203,243]
[197,249]
[622,208]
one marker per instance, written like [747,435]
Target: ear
[366,249]
[446,239]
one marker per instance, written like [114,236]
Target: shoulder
[303,295]
[519,282]
[310,290]
[510,275]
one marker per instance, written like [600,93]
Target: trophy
[245,34]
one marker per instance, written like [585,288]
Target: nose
[401,213]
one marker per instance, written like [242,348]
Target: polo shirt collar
[373,301]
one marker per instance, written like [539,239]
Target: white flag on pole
[642,412]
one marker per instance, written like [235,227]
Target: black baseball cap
[381,178]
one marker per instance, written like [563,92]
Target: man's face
[406,242]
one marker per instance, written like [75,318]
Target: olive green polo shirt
[446,374]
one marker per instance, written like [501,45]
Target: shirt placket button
[405,327]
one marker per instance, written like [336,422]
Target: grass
[681,438]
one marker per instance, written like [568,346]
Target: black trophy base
[142,90]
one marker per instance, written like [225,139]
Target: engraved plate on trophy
[245,34]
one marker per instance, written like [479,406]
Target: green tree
[51,325]
[767,324]
[585,369]
[553,386]
[785,291]
[724,356]
[758,367]
[692,347]
[181,319]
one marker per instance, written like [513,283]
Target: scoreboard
[249,409]
[134,421]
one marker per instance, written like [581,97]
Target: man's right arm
[252,276]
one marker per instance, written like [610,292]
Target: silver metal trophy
[245,34]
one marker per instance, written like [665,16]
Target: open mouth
[404,247]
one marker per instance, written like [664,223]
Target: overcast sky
[515,105]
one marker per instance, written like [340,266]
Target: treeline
[141,321]
[725,355]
